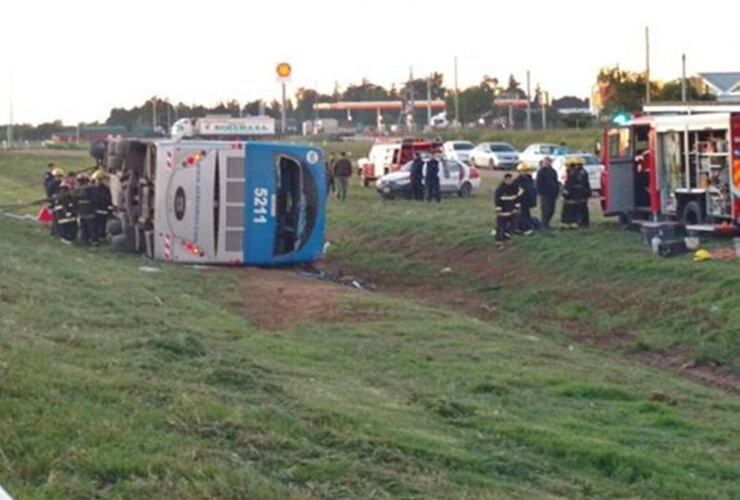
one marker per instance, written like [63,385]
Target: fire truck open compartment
[673,167]
[694,171]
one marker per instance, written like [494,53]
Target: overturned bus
[215,202]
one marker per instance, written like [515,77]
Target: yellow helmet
[57,172]
[573,161]
[523,167]
[702,255]
[98,175]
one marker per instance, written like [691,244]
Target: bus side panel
[259,204]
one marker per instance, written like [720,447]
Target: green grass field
[572,366]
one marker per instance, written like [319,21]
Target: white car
[592,165]
[463,180]
[458,150]
[494,155]
[535,153]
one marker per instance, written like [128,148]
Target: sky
[74,60]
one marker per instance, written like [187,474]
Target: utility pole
[457,98]
[683,78]
[529,103]
[429,101]
[154,113]
[283,113]
[412,108]
[647,64]
[10,100]
[543,104]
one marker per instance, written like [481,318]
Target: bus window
[619,143]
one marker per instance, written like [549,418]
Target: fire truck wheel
[692,214]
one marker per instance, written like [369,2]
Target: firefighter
[52,190]
[548,188]
[570,196]
[505,200]
[417,177]
[527,193]
[65,212]
[86,209]
[56,182]
[102,204]
[583,194]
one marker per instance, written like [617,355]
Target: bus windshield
[295,205]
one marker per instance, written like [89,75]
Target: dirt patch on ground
[279,299]
[683,363]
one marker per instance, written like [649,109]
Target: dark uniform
[49,181]
[102,205]
[417,179]
[65,213]
[548,188]
[431,180]
[583,190]
[505,199]
[528,200]
[86,210]
[330,185]
[570,198]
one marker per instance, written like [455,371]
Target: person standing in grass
[102,204]
[571,194]
[417,177]
[342,173]
[548,189]
[330,185]
[527,198]
[583,194]
[49,180]
[505,200]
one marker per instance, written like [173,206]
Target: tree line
[618,90]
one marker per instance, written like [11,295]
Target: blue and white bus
[217,202]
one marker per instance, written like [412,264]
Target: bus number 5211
[260,205]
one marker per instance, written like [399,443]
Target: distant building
[726,86]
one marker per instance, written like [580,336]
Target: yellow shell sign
[283,70]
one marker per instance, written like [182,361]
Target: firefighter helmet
[57,172]
[98,175]
[702,255]
[523,167]
[573,161]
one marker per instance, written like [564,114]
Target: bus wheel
[692,214]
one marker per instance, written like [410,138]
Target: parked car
[592,165]
[458,150]
[494,155]
[463,180]
[535,153]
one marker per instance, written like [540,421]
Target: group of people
[516,197]
[79,205]
[338,172]
[425,170]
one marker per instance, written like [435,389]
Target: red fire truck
[386,157]
[678,167]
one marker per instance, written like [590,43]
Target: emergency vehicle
[387,157]
[678,167]
[217,202]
